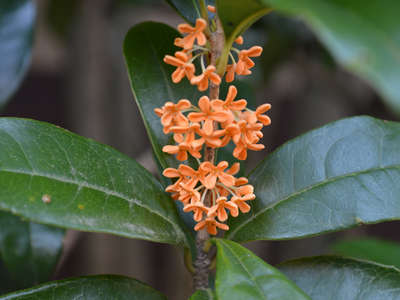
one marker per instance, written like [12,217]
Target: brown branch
[202,262]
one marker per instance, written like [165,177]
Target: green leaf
[380,251]
[29,252]
[188,9]
[332,178]
[236,15]
[327,277]
[100,287]
[203,295]
[52,176]
[145,46]
[17,19]
[365,39]
[243,275]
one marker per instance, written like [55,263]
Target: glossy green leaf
[52,176]
[101,287]
[17,20]
[203,295]
[236,15]
[363,36]
[243,275]
[29,252]
[380,251]
[343,278]
[145,46]
[188,9]
[335,177]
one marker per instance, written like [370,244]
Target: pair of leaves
[363,41]
[241,275]
[17,20]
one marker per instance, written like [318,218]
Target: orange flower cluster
[213,123]
[211,191]
[225,191]
[183,60]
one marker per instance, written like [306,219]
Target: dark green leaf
[101,287]
[52,176]
[364,37]
[236,16]
[203,295]
[343,278]
[243,275]
[380,251]
[17,19]
[29,252]
[188,9]
[335,177]
[145,46]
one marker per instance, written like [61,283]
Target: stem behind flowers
[202,262]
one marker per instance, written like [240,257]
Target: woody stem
[202,262]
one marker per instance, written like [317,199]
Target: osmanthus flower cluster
[210,191]
[195,45]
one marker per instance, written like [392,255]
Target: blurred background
[78,80]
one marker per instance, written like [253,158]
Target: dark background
[78,81]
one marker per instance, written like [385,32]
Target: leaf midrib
[306,189]
[97,188]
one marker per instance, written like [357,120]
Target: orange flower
[193,175]
[202,80]
[229,105]
[232,130]
[230,72]
[219,209]
[211,9]
[173,173]
[198,209]
[184,66]
[193,34]
[245,190]
[171,114]
[254,116]
[239,40]
[207,115]
[180,151]
[259,114]
[245,136]
[188,195]
[211,225]
[187,135]
[234,169]
[245,63]
[212,140]
[214,172]
[241,202]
